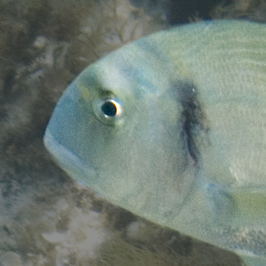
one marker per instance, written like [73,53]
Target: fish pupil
[109,108]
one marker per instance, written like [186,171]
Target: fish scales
[172,127]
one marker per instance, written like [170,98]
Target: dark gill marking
[193,118]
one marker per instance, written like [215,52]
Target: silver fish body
[173,128]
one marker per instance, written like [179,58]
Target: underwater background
[46,218]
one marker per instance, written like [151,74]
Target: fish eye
[108,110]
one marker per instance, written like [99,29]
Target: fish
[172,127]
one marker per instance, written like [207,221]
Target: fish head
[118,129]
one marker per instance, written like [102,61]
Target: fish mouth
[67,159]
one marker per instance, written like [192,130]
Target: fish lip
[67,159]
